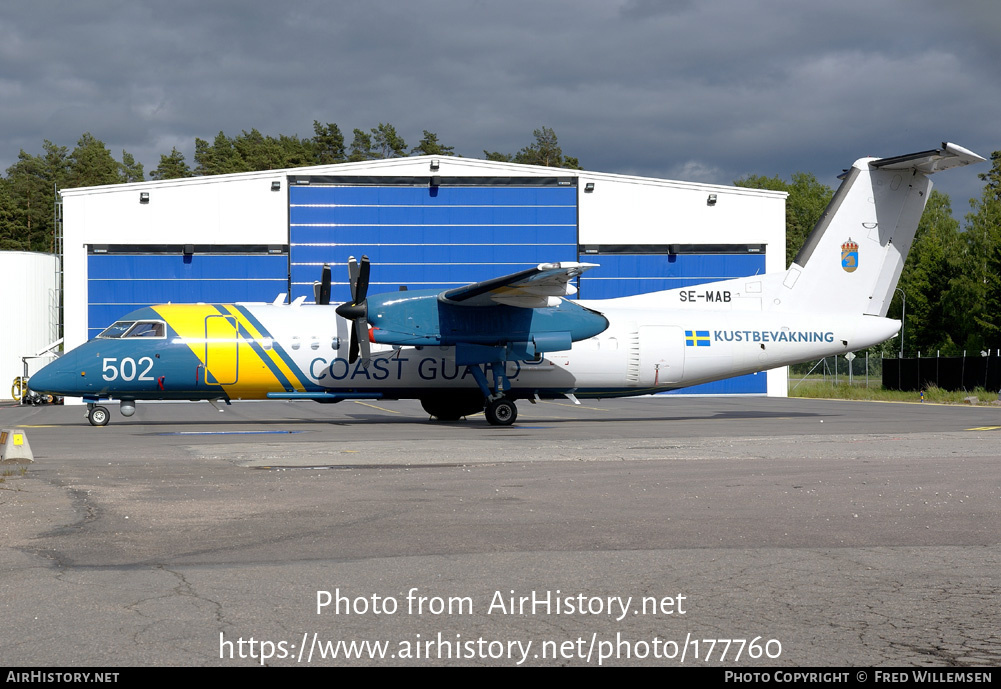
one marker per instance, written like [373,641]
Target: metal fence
[946,372]
[857,368]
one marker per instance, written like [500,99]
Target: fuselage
[256,351]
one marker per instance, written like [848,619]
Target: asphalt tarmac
[644,531]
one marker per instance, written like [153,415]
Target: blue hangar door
[423,233]
[634,269]
[123,278]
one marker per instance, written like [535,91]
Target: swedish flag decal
[696,338]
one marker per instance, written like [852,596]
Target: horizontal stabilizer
[945,158]
[536,287]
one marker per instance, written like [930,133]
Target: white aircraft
[483,346]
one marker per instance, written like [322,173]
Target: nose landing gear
[98,416]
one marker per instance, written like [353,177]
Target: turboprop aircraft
[482,347]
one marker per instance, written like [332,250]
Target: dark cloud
[705,91]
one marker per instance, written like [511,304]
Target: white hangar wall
[31,307]
[424,221]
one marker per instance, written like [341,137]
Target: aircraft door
[221,350]
[662,354]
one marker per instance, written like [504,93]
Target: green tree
[929,282]
[328,144]
[545,151]
[296,152]
[387,143]
[806,203]
[498,156]
[203,157]
[171,166]
[983,267]
[430,146]
[218,158]
[11,236]
[130,169]
[91,164]
[361,147]
[252,151]
[32,183]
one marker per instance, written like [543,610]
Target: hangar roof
[419,166]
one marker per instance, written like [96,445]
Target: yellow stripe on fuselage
[255,377]
[276,359]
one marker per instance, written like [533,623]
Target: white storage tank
[31,309]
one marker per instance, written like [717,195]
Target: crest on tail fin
[849,256]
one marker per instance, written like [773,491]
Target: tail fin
[853,258]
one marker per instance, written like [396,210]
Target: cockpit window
[130,329]
[117,330]
[146,329]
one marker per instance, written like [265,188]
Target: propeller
[357,310]
[321,290]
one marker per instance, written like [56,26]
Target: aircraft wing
[534,288]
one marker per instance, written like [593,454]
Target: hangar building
[425,221]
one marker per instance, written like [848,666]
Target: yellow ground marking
[985,428]
[571,404]
[391,411]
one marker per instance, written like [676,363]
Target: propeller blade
[361,327]
[353,348]
[353,278]
[324,292]
[361,290]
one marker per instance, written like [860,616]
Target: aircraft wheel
[501,412]
[98,416]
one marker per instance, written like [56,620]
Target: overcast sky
[706,90]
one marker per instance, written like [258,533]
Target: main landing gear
[501,411]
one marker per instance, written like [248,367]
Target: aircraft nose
[43,380]
[54,378]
